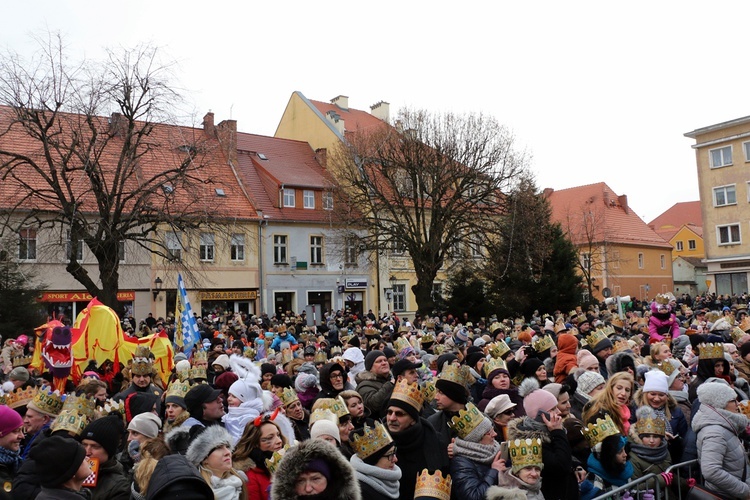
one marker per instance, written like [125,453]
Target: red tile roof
[354,119]
[613,222]
[688,212]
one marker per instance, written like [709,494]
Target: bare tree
[427,184]
[89,147]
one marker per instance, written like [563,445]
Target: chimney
[381,110]
[117,125]
[321,154]
[623,201]
[341,101]
[208,125]
[336,120]
[547,193]
[226,132]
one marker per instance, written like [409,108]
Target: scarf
[661,412]
[228,488]
[480,453]
[238,416]
[738,421]
[625,414]
[10,458]
[651,455]
[595,467]
[385,481]
[259,457]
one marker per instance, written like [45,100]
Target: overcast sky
[594,91]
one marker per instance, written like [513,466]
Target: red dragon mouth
[57,356]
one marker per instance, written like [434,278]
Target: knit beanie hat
[225,381]
[354,342]
[267,368]
[553,388]
[180,356]
[139,402]
[221,360]
[389,353]
[207,441]
[182,366]
[473,358]
[281,380]
[305,381]
[455,392]
[57,460]
[480,430]
[411,410]
[530,366]
[10,420]
[147,424]
[601,345]
[656,381]
[716,394]
[588,381]
[586,360]
[19,373]
[445,358]
[106,431]
[535,399]
[319,465]
[371,357]
[325,427]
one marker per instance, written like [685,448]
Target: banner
[186,328]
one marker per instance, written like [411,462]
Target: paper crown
[373,342]
[456,374]
[50,402]
[711,351]
[667,367]
[273,462]
[525,453]
[178,388]
[22,360]
[286,356]
[664,298]
[439,349]
[400,344]
[142,363]
[595,337]
[197,372]
[495,327]
[337,406]
[651,424]
[617,323]
[737,333]
[288,396]
[596,432]
[19,397]
[428,391]
[498,349]
[560,326]
[745,324]
[335,350]
[543,344]
[80,404]
[608,330]
[433,485]
[744,407]
[323,414]
[371,440]
[320,357]
[371,332]
[414,341]
[76,414]
[427,338]
[429,324]
[250,352]
[409,394]
[281,328]
[620,345]
[467,420]
[494,364]
[200,355]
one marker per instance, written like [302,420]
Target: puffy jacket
[112,483]
[720,452]
[471,480]
[375,392]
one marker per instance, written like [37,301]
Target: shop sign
[228,295]
[356,283]
[122,296]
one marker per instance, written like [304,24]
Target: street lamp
[157,287]
[392,279]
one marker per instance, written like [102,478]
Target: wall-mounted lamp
[157,287]
[392,279]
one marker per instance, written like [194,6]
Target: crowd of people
[559,406]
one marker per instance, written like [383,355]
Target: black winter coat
[417,448]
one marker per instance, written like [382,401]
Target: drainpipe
[261,269]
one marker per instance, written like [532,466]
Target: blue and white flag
[186,331]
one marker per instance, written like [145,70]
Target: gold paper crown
[250,352]
[467,420]
[320,357]
[617,323]
[498,349]
[543,344]
[337,406]
[142,363]
[456,374]
[288,396]
[371,332]
[49,402]
[494,364]
[409,394]
[400,344]
[414,341]
[427,337]
[651,425]
[428,391]
[178,388]
[745,407]
[371,440]
[19,397]
[620,345]
[286,356]
[71,421]
[335,350]
[200,355]
[198,372]
[80,404]
[737,333]
[595,337]
[439,349]
[560,326]
[22,360]
[596,433]
[608,330]
[495,327]
[433,485]
[711,351]
[373,342]
[429,324]
[664,298]
[323,414]
[403,329]
[273,462]
[525,453]
[667,367]
[281,328]
[745,324]
[112,406]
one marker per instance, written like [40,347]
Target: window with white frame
[316,249]
[663,261]
[455,249]
[327,201]
[351,251]
[476,246]
[174,246]
[69,248]
[615,260]
[288,197]
[437,291]
[279,249]
[207,247]
[641,261]
[679,246]
[27,244]
[121,250]
[691,244]
[397,248]
[728,234]
[399,297]
[720,157]
[586,260]
[309,198]
[237,247]
[725,195]
[746,148]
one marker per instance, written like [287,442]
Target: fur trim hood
[343,484]
[517,430]
[503,493]
[617,361]
[178,440]
[206,442]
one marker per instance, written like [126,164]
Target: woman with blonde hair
[211,452]
[614,401]
[150,453]
[261,438]
[658,352]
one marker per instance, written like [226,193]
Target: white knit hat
[716,394]
[325,428]
[656,381]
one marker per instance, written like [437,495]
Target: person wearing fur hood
[211,452]
[542,421]
[315,469]
[246,399]
[718,426]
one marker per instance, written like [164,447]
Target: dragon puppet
[96,335]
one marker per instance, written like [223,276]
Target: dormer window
[309,199]
[288,197]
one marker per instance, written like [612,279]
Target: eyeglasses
[336,375]
[390,454]
[509,412]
